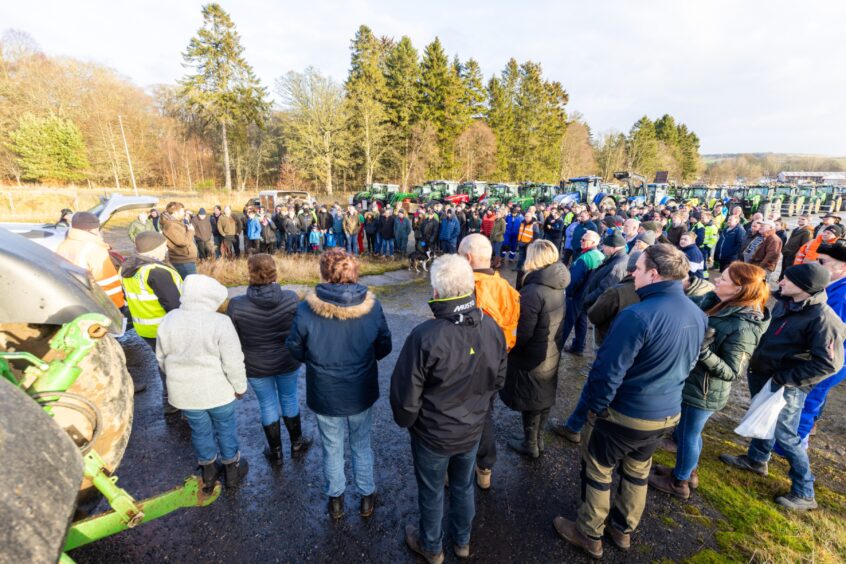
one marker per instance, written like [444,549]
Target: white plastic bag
[761,418]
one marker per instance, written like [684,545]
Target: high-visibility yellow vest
[144,307]
[711,234]
[526,234]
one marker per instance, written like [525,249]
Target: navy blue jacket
[730,245]
[340,332]
[578,233]
[450,229]
[649,351]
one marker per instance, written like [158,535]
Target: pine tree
[440,103]
[49,148]
[473,98]
[402,73]
[642,147]
[224,89]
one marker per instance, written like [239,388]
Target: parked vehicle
[468,192]
[498,193]
[435,191]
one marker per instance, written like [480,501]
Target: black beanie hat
[614,239]
[147,241]
[835,250]
[834,228]
[811,277]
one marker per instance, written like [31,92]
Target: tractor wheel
[104,381]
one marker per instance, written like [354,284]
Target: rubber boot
[273,452]
[528,445]
[299,443]
[235,472]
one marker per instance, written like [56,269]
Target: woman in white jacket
[200,354]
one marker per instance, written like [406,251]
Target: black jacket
[430,231]
[446,374]
[262,317]
[803,344]
[533,362]
[608,274]
[386,226]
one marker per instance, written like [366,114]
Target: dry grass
[297,269]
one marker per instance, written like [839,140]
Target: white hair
[592,235]
[452,277]
[479,248]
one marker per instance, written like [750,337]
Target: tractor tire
[104,381]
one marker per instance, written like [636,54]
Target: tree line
[401,115]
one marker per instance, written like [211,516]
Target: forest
[402,115]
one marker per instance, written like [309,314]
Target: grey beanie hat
[147,241]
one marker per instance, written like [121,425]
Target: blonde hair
[540,254]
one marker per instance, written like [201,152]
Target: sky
[745,75]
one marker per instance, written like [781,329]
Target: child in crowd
[687,243]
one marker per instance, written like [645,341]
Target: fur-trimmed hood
[341,301]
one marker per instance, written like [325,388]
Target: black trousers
[486,455]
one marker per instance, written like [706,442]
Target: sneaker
[573,351]
[567,530]
[745,463]
[796,503]
[483,478]
[621,540]
[670,485]
[562,430]
[412,539]
[461,551]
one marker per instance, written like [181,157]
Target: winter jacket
[337,223]
[578,233]
[304,221]
[279,221]
[652,346]
[450,229]
[568,235]
[803,344]
[737,331]
[580,271]
[499,300]
[498,230]
[695,260]
[87,250]
[798,238]
[532,377]
[402,228]
[202,228]
[340,332]
[385,225]
[351,225]
[430,231]
[227,226]
[750,245]
[268,233]
[729,245]
[768,252]
[324,220]
[697,289]
[198,349]
[160,280]
[370,226]
[446,374]
[808,251]
[554,229]
[487,224]
[474,224]
[289,226]
[263,317]
[253,228]
[181,248]
[612,301]
[137,227]
[512,224]
[609,273]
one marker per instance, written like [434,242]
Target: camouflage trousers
[626,443]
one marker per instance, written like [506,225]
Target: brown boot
[621,540]
[668,484]
[662,470]
[483,478]
[569,532]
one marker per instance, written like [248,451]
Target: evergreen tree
[440,103]
[473,98]
[49,148]
[223,89]
[402,73]
[642,147]
[502,94]
[690,161]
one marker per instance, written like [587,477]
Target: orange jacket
[496,297]
[88,251]
[808,251]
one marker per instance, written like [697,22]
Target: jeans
[332,430]
[352,245]
[497,248]
[579,415]
[688,437]
[522,252]
[185,269]
[387,248]
[430,470]
[401,245]
[218,241]
[280,239]
[575,317]
[787,437]
[302,243]
[275,391]
[815,402]
[292,243]
[214,430]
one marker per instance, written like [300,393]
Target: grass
[753,527]
[298,269]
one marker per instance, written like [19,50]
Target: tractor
[754,199]
[435,191]
[832,198]
[66,410]
[586,190]
[532,193]
[658,193]
[468,193]
[499,193]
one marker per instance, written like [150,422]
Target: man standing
[449,231]
[768,252]
[799,237]
[446,374]
[633,394]
[585,224]
[512,227]
[730,243]
[216,234]
[553,228]
[227,225]
[574,316]
[497,299]
[203,235]
[386,233]
[351,227]
[802,347]
[402,229]
[609,273]
[140,224]
[181,250]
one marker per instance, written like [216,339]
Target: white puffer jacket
[199,350]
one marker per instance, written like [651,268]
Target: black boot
[299,443]
[235,472]
[544,417]
[528,445]
[273,452]
[209,474]
[336,507]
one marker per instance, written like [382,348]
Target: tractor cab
[499,193]
[436,190]
[468,192]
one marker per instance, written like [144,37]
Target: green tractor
[832,198]
[754,199]
[435,191]
[499,193]
[532,193]
[383,195]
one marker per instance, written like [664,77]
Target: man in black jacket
[802,346]
[446,374]
[610,272]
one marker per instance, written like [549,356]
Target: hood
[698,286]
[791,305]
[460,310]
[555,276]
[202,293]
[341,301]
[266,296]
[85,237]
[748,314]
[131,265]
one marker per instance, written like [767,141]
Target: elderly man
[769,250]
[445,377]
[631,228]
[497,299]
[575,317]
[633,394]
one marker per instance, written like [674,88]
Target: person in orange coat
[808,252]
[85,248]
[497,299]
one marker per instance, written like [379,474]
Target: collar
[459,310]
[488,271]
[664,287]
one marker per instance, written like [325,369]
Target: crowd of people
[681,301]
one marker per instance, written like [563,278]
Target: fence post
[11,202]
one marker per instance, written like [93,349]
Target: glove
[710,335]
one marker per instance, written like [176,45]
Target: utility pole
[128,158]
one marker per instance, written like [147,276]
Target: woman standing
[340,332]
[532,376]
[737,317]
[263,318]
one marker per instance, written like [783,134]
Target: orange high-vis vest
[526,233]
[86,250]
[808,251]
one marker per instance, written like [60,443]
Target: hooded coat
[532,376]
[198,349]
[339,332]
[263,317]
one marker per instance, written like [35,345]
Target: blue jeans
[275,391]
[293,243]
[787,438]
[575,317]
[430,469]
[688,437]
[332,430]
[579,415]
[522,251]
[352,244]
[185,269]
[214,430]
[387,248]
[280,238]
[497,248]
